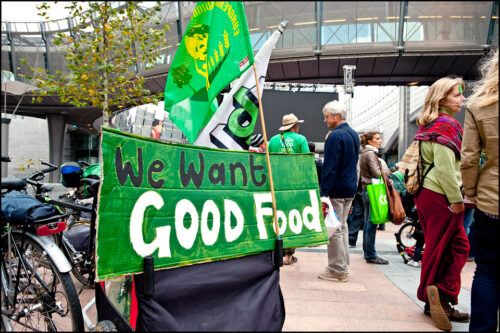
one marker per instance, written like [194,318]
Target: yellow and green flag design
[214,51]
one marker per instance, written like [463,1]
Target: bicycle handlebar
[51,168]
[6,158]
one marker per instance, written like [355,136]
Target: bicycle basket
[71,173]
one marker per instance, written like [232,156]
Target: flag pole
[267,153]
[261,112]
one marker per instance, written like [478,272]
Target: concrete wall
[28,139]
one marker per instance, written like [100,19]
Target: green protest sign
[186,204]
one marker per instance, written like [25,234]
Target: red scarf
[445,130]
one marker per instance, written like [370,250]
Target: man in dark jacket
[338,183]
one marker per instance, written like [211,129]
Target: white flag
[233,123]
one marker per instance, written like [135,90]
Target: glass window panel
[334,34]
[258,39]
[386,32]
[266,16]
[446,24]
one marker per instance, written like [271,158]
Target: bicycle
[37,290]
[74,243]
[409,236]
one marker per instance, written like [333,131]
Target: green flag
[214,51]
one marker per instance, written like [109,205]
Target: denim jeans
[369,230]
[338,246]
[355,220]
[485,292]
[468,217]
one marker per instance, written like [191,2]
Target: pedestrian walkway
[376,297]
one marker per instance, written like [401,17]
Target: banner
[232,125]
[214,51]
[185,204]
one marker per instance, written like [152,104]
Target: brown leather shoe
[451,313]
[427,309]
[438,313]
[455,315]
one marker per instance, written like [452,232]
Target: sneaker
[413,264]
[331,276]
[377,260]
[437,308]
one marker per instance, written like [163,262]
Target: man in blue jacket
[338,184]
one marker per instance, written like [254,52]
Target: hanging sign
[186,204]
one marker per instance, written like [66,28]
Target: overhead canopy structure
[16,88]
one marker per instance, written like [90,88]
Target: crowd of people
[458,193]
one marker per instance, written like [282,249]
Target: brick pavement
[376,297]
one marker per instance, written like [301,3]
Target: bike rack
[86,318]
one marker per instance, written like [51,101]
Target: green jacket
[398,183]
[444,177]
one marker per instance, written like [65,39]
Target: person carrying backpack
[440,203]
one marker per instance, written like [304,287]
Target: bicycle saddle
[93,184]
[12,183]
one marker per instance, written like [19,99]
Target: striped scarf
[445,130]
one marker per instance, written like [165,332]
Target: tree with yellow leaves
[103,54]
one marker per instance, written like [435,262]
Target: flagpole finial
[282,26]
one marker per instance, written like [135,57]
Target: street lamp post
[348,89]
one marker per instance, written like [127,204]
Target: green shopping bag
[379,208]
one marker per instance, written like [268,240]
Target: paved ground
[376,298]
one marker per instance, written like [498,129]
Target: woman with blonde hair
[370,166]
[481,186]
[440,203]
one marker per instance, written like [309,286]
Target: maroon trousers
[446,245]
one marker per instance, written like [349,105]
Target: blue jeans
[468,215]
[355,220]
[485,292]
[369,230]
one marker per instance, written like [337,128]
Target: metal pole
[348,89]
[404,108]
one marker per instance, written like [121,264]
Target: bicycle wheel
[405,234]
[81,271]
[45,299]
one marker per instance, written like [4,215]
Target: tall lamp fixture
[348,89]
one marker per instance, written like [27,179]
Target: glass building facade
[315,27]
